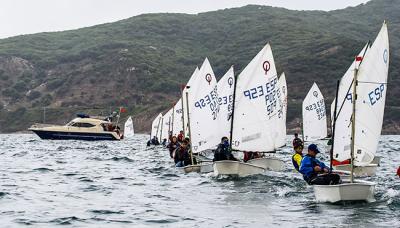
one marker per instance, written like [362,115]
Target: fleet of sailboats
[251,111]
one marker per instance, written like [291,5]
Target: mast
[183,118]
[353,123]
[334,123]
[190,134]
[233,112]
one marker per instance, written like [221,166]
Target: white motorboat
[81,128]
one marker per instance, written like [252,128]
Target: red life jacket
[398,171]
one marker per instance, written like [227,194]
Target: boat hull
[192,168]
[269,163]
[359,171]
[60,135]
[207,167]
[356,191]
[236,168]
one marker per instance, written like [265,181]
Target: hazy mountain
[140,62]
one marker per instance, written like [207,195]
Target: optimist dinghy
[370,77]
[254,116]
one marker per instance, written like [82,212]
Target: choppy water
[125,184]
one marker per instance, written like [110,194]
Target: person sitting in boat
[315,171]
[155,141]
[223,151]
[182,157]
[297,157]
[164,142]
[172,146]
[297,141]
[180,137]
[250,155]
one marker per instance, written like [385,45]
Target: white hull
[236,168]
[207,167]
[357,191]
[269,163]
[359,171]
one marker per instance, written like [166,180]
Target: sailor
[297,157]
[316,172]
[297,141]
[180,137]
[182,157]
[223,151]
[164,142]
[172,146]
[155,141]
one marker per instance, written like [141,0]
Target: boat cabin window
[83,125]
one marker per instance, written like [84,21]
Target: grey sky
[31,16]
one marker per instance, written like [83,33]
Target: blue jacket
[307,167]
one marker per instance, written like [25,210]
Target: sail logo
[385,56]
[315,93]
[208,78]
[230,82]
[266,67]
[376,94]
[349,97]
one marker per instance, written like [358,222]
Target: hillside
[140,62]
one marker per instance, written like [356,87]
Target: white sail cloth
[371,96]
[203,109]
[344,112]
[184,102]
[225,100]
[177,124]
[314,115]
[256,105]
[166,125]
[280,138]
[129,131]
[155,126]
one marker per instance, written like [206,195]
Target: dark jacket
[171,147]
[223,152]
[183,155]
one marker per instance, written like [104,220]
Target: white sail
[332,111]
[166,125]
[371,96]
[177,124]
[203,109]
[342,140]
[282,111]
[314,115]
[159,129]
[256,105]
[193,87]
[155,126]
[129,132]
[225,100]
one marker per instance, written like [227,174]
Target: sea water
[45,183]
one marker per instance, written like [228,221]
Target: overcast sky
[31,16]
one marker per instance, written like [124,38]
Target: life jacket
[398,171]
[296,160]
[297,142]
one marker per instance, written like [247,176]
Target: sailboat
[129,131]
[184,102]
[166,125]
[367,109]
[155,127]
[177,118]
[314,115]
[254,116]
[202,112]
[271,162]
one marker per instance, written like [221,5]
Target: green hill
[140,62]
